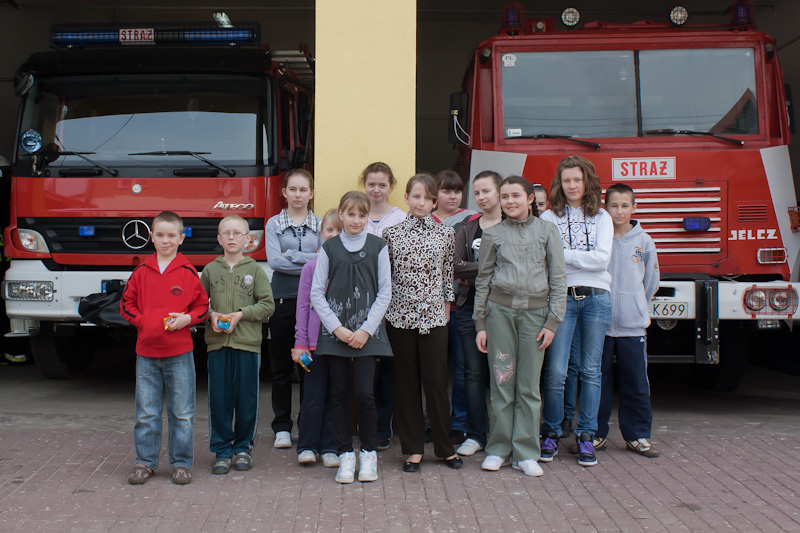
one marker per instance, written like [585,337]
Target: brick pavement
[67,473]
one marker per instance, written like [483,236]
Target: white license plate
[669,309]
[136,35]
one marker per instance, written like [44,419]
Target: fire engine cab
[696,119]
[119,123]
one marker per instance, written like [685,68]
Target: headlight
[253,240]
[41,291]
[780,299]
[755,300]
[32,240]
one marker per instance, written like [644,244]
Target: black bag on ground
[102,308]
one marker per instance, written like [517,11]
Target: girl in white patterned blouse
[421,253]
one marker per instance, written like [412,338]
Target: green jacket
[245,288]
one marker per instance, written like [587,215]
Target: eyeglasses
[235,234]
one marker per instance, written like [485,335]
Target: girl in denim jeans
[587,233]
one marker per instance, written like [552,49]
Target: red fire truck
[696,119]
[119,123]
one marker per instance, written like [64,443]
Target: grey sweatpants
[515,365]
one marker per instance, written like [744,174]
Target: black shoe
[408,466]
[383,444]
[454,462]
[457,437]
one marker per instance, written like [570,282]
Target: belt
[580,292]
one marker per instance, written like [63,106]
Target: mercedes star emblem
[136,234]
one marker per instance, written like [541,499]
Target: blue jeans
[476,368]
[157,377]
[571,385]
[590,317]
[458,404]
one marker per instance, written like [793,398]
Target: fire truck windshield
[593,94]
[121,121]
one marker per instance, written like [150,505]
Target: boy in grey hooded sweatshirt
[635,277]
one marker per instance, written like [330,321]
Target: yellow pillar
[366,58]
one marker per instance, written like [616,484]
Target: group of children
[369,298]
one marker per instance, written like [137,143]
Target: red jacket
[150,296]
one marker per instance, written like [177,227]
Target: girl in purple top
[315,425]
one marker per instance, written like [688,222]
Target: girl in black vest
[351,291]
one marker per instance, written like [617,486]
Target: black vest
[352,288]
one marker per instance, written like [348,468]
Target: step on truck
[696,119]
[118,123]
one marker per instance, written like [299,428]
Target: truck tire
[726,375]
[61,357]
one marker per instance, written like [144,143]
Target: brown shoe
[181,475]
[642,447]
[140,474]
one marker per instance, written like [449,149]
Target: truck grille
[661,213]
[63,235]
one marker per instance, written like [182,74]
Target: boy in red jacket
[162,298]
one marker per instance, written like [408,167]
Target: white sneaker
[347,468]
[307,457]
[330,459]
[494,462]
[368,470]
[283,439]
[529,467]
[469,447]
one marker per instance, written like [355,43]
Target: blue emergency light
[86,231]
[187,231]
[696,223]
[156,34]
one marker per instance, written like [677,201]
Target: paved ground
[730,462]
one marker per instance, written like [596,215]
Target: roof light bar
[73,36]
[513,18]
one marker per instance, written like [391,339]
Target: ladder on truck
[300,61]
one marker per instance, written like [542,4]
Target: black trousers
[384,396]
[281,326]
[420,363]
[363,379]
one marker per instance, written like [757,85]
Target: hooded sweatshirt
[245,288]
[634,281]
[150,296]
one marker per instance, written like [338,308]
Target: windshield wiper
[196,155]
[82,155]
[552,136]
[670,131]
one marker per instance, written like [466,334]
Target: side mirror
[457,122]
[23,84]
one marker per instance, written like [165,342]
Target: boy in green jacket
[240,296]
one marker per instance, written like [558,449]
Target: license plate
[669,309]
[136,35]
